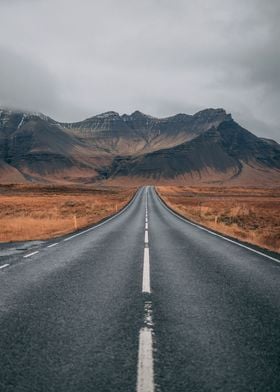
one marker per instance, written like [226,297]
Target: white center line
[146,287]
[146,237]
[145,373]
[50,246]
[31,254]
[4,266]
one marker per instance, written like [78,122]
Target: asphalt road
[144,302]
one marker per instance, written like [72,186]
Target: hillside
[228,153]
[139,133]
[207,147]
[34,147]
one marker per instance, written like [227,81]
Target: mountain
[207,147]
[227,152]
[34,147]
[139,133]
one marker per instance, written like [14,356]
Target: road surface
[143,302]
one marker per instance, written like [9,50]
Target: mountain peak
[107,114]
[27,114]
[211,112]
[137,113]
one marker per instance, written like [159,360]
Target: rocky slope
[139,133]
[227,152]
[207,147]
[34,147]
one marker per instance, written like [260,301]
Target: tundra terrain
[32,212]
[248,214]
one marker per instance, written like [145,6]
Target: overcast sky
[72,59]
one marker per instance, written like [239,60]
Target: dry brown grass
[250,215]
[42,212]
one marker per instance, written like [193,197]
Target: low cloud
[25,84]
[73,59]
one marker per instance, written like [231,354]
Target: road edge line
[108,219]
[182,218]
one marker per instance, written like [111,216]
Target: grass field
[42,212]
[250,215]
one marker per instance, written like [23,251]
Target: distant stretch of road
[143,302]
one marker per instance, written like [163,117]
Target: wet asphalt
[70,315]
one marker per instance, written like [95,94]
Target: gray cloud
[72,59]
[24,83]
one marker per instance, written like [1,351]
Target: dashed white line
[146,240]
[52,245]
[89,229]
[145,372]
[4,266]
[31,254]
[146,286]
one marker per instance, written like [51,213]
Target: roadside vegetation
[42,212]
[250,215]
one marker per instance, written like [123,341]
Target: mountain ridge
[206,147]
[210,152]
